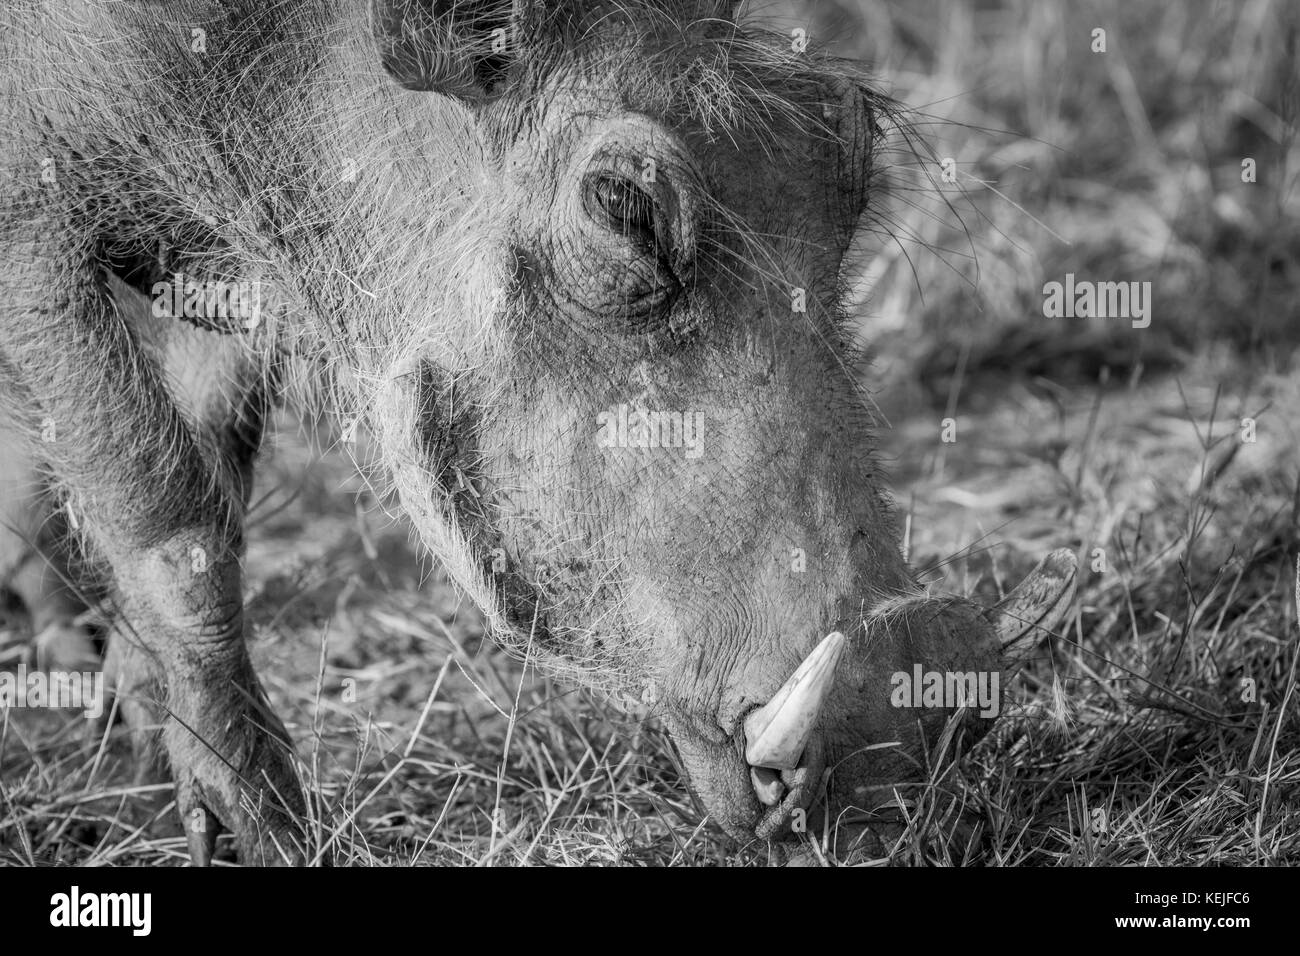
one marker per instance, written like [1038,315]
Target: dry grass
[1132,740]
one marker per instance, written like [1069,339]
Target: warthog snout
[839,738]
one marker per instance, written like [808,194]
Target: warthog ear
[1035,606]
[457,47]
[851,113]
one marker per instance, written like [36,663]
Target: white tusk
[767,784]
[777,733]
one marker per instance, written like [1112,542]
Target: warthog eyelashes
[624,207]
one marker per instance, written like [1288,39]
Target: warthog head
[629,420]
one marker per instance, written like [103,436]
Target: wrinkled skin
[461,247]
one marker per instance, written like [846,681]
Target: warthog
[574,266]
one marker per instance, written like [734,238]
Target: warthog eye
[622,205]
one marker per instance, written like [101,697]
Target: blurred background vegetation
[1123,166]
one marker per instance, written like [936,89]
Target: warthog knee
[188,587]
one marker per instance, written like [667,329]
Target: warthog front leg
[228,751]
[168,524]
